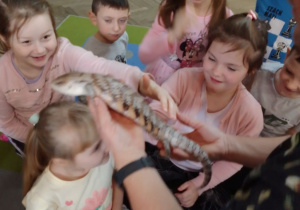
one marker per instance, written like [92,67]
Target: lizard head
[73,84]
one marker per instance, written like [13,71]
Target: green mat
[78,29]
[9,160]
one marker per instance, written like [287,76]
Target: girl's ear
[93,18]
[288,51]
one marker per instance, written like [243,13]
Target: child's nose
[116,26]
[39,48]
[217,69]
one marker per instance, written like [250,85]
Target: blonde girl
[34,56]
[178,37]
[67,166]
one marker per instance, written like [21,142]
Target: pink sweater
[244,117]
[155,43]
[19,100]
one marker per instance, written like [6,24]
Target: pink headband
[251,15]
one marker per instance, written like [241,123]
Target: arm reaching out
[125,140]
[150,88]
[248,151]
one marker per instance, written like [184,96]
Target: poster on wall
[279,18]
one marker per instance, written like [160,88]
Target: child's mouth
[215,80]
[39,58]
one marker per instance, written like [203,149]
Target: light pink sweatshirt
[155,43]
[19,100]
[244,116]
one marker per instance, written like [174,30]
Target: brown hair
[116,4]
[169,8]
[63,130]
[243,33]
[14,14]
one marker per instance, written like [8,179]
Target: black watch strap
[120,175]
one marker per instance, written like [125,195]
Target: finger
[183,187]
[121,119]
[97,108]
[189,122]
[164,103]
[173,109]
[146,80]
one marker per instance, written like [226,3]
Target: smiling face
[224,69]
[111,23]
[34,44]
[287,79]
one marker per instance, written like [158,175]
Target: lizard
[128,102]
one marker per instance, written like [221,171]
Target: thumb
[183,187]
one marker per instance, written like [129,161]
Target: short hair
[117,4]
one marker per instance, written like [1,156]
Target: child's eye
[211,58]
[231,68]
[26,42]
[97,146]
[46,36]
[107,21]
[123,20]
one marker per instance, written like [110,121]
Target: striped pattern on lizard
[131,104]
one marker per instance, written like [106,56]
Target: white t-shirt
[93,191]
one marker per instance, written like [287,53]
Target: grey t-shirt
[115,51]
[280,113]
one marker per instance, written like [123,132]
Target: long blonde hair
[18,12]
[61,126]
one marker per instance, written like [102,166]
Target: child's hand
[149,88]
[189,195]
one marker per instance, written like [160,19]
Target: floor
[142,14]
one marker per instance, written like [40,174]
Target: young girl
[67,166]
[181,41]
[34,56]
[215,94]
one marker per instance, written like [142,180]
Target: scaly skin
[131,104]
